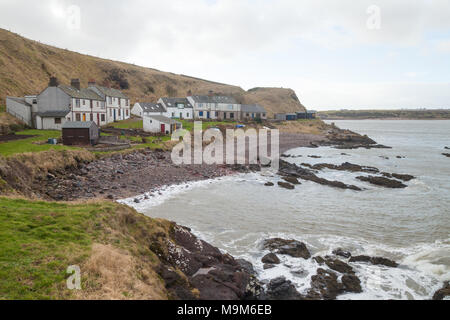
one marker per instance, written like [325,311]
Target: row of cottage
[200,107]
[58,104]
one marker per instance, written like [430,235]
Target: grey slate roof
[80,94]
[172,102]
[214,99]
[165,119]
[78,125]
[53,114]
[111,92]
[252,108]
[152,107]
[19,100]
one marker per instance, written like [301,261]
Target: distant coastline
[438,114]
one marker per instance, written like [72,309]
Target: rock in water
[286,185]
[339,266]
[292,180]
[446,154]
[325,285]
[342,253]
[375,261]
[442,293]
[269,184]
[282,289]
[382,181]
[351,283]
[271,258]
[291,248]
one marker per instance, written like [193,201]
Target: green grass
[189,124]
[38,241]
[28,145]
[133,123]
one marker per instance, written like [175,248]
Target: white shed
[141,109]
[161,124]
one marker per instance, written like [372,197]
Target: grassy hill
[25,67]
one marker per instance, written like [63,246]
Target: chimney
[189,93]
[53,82]
[211,93]
[76,84]
[91,83]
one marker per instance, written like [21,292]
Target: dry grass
[303,126]
[118,276]
[17,173]
[26,65]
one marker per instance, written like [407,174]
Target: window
[180,105]
[231,115]
[127,112]
[187,115]
[173,114]
[120,112]
[248,114]
[78,117]
[110,100]
[84,102]
[77,103]
[200,114]
[103,118]
[57,120]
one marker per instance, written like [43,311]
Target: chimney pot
[76,84]
[53,82]
[91,82]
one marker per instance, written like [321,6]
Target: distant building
[308,114]
[286,116]
[143,108]
[253,112]
[80,133]
[161,124]
[177,108]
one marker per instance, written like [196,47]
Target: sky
[342,54]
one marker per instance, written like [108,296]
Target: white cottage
[161,124]
[177,108]
[143,108]
[117,104]
[215,107]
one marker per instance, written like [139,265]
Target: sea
[410,226]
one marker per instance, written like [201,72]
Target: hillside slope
[25,66]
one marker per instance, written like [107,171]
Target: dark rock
[137,200]
[291,248]
[442,293]
[247,266]
[319,260]
[446,154]
[338,265]
[271,258]
[447,148]
[382,181]
[292,180]
[282,289]
[351,283]
[315,157]
[286,185]
[375,261]
[110,197]
[325,285]
[342,253]
[268,266]
[346,166]
[403,177]
[269,184]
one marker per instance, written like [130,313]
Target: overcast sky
[334,54]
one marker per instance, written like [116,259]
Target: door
[84,116]
[163,128]
[98,119]
[114,115]
[208,115]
